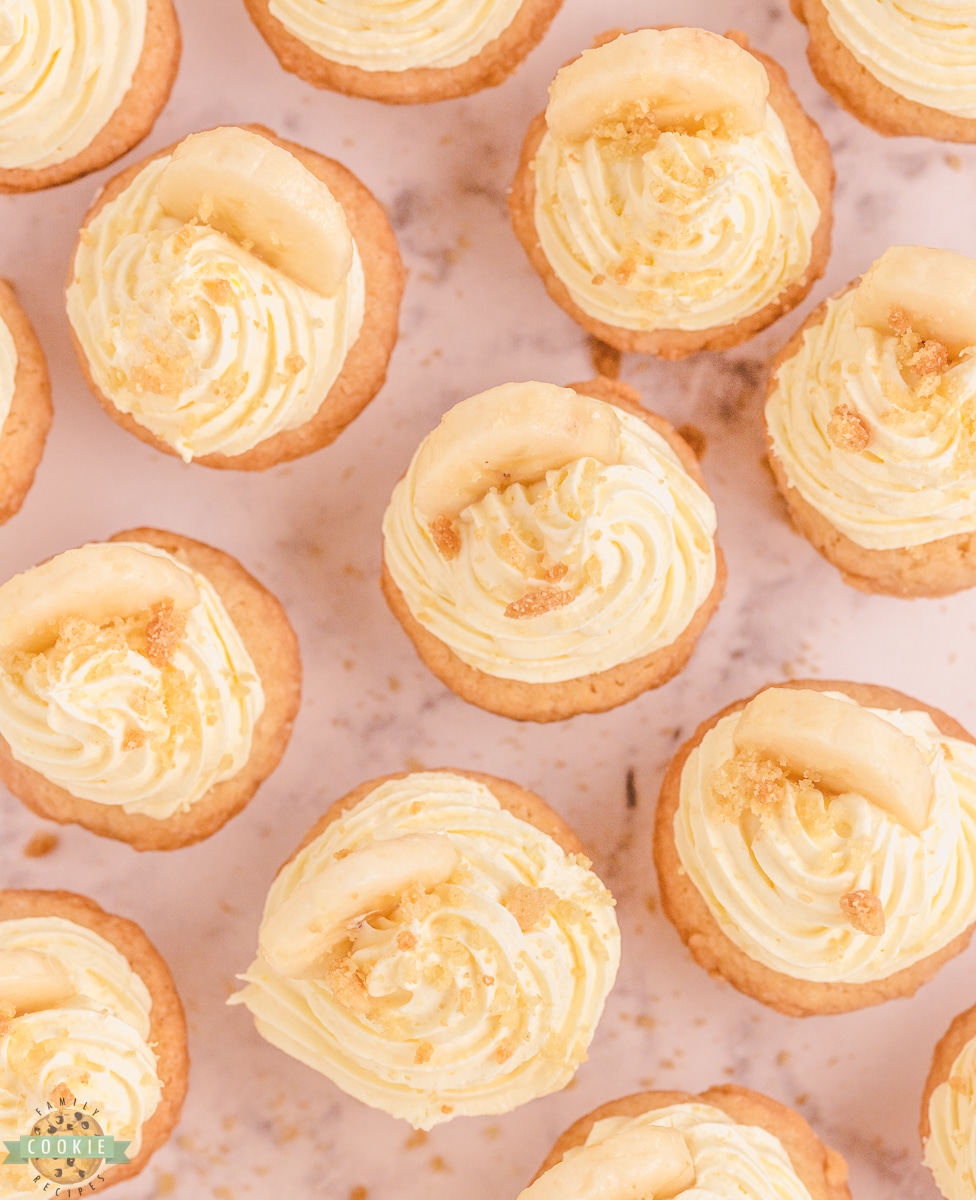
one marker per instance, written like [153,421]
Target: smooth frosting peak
[950,1149]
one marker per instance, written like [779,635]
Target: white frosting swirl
[96,717]
[454,1009]
[915,481]
[64,75]
[636,538]
[375,35]
[924,50]
[731,1161]
[690,232]
[950,1149]
[8,371]
[96,1042]
[774,885]
[203,344]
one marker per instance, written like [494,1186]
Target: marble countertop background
[475,315]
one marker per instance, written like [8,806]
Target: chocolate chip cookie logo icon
[66,1149]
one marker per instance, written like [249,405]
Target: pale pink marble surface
[475,315]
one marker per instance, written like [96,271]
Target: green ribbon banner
[105,1147]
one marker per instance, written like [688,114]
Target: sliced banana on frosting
[259,194]
[97,583]
[934,289]
[296,940]
[510,434]
[31,980]
[843,746]
[649,1162]
[675,79]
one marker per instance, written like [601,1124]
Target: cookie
[949,1109]
[25,403]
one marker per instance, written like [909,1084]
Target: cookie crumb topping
[847,429]
[528,905]
[864,912]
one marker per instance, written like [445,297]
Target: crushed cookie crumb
[958,1084]
[164,632]
[358,1193]
[348,985]
[62,1095]
[447,540]
[931,358]
[341,854]
[423,1053]
[406,940]
[503,1051]
[748,782]
[539,601]
[899,322]
[134,738]
[417,1138]
[528,905]
[864,912]
[41,845]
[847,429]
[553,574]
[219,291]
[294,363]
[598,280]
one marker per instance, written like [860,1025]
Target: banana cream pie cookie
[674,197]
[80,84]
[728,1141]
[948,1124]
[25,403]
[551,551]
[906,68]
[402,53]
[816,845]
[438,946]
[148,685]
[234,300]
[92,1040]
[871,422]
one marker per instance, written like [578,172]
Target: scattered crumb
[414,764]
[748,781]
[931,358]
[393,683]
[555,572]
[417,1138]
[491,1132]
[219,291]
[528,905]
[605,359]
[446,538]
[782,1058]
[294,363]
[62,1094]
[164,632]
[41,845]
[539,601]
[645,1022]
[847,430]
[864,912]
[423,1053]
[958,1084]
[342,853]
[624,271]
[165,1184]
[406,940]
[802,1098]
[134,738]
[503,1051]
[447,1109]
[358,1193]
[650,903]
[438,1164]
[695,439]
[348,985]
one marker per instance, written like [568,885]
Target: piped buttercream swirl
[202,343]
[447,1005]
[950,1149]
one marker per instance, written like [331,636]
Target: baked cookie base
[863,95]
[937,568]
[417,85]
[821,1169]
[364,370]
[685,907]
[270,640]
[167,1033]
[135,116]
[589,693]
[950,1046]
[26,428]
[812,154]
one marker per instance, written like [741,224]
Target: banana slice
[510,434]
[260,195]
[847,747]
[680,79]
[31,980]
[936,289]
[11,22]
[96,582]
[296,939]
[648,1162]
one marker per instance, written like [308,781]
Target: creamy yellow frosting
[445,1006]
[915,480]
[202,343]
[950,1149]
[690,231]
[730,1160]
[774,882]
[375,35]
[636,539]
[921,49]
[95,1042]
[95,716]
[8,371]
[65,66]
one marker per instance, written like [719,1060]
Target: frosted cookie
[437,947]
[92,1039]
[948,1124]
[907,68]
[148,685]
[726,1141]
[816,845]
[80,84]
[402,53]
[234,299]
[871,422]
[674,197]
[25,403]
[551,551]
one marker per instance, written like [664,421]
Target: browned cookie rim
[24,432]
[960,1033]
